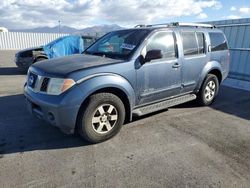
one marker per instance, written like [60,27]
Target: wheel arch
[114,84]
[116,91]
[212,67]
[217,73]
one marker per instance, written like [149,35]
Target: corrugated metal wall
[19,40]
[238,36]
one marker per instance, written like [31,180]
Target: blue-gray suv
[128,72]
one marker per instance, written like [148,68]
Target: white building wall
[20,40]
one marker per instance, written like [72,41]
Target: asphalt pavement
[185,146]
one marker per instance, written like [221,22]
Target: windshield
[118,44]
[87,42]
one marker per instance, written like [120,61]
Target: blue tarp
[64,46]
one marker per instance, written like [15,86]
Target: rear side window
[193,43]
[218,42]
[189,42]
[163,41]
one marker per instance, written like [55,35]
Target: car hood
[30,49]
[65,65]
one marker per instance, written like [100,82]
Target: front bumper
[60,111]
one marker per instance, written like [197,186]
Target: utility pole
[59,26]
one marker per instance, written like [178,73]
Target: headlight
[59,85]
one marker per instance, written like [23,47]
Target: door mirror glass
[153,54]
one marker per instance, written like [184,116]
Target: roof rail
[140,25]
[177,24]
[192,24]
[160,25]
[153,25]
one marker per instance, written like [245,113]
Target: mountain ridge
[94,30]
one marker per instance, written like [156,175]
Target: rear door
[193,58]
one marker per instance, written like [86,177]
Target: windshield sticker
[127,46]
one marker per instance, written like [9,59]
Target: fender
[211,65]
[95,82]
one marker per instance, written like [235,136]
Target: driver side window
[163,41]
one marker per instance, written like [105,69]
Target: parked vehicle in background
[63,46]
[128,72]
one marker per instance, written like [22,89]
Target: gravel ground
[185,146]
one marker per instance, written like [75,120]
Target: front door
[160,78]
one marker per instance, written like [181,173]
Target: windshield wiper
[99,54]
[104,54]
[96,53]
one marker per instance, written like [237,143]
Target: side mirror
[152,54]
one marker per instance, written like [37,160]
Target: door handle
[176,65]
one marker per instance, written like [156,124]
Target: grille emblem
[31,80]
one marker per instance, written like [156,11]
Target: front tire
[209,90]
[101,117]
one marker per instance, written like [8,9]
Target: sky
[25,14]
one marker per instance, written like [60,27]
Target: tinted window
[201,42]
[189,42]
[218,42]
[163,41]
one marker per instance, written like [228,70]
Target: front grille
[37,83]
[44,85]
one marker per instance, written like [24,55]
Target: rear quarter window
[218,42]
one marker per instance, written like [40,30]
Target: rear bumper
[60,111]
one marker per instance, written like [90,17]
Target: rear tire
[101,117]
[208,91]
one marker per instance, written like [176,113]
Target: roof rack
[177,24]
[193,25]
[140,25]
[154,25]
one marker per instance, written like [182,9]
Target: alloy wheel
[104,118]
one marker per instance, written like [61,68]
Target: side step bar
[163,104]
